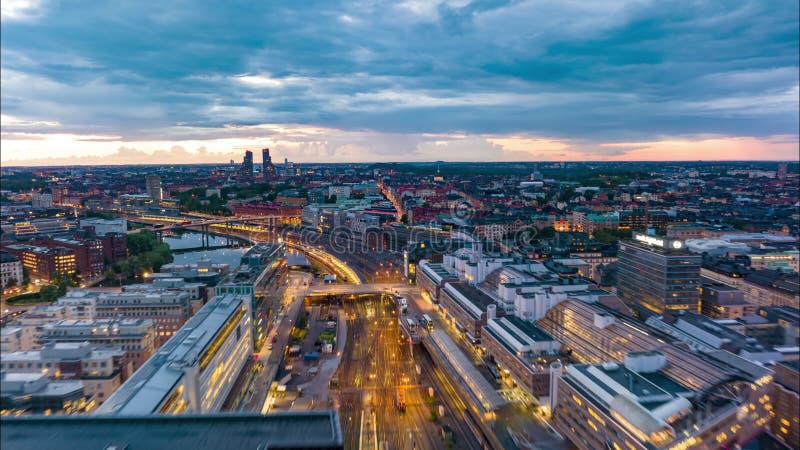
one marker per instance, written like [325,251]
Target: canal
[230,256]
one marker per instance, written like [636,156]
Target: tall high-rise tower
[153,187]
[267,169]
[247,164]
[656,274]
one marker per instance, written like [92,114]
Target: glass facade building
[654,275]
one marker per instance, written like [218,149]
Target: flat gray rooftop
[308,430]
[475,296]
[653,389]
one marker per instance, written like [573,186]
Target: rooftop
[704,325]
[650,389]
[7,257]
[468,374]
[522,331]
[478,301]
[318,429]
[435,271]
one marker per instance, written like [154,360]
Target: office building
[36,393]
[787,318]
[262,268]
[115,246]
[10,270]
[316,195]
[342,192]
[89,255]
[135,336]
[246,169]
[168,310]
[319,430]
[79,304]
[589,222]
[786,400]
[29,229]
[41,201]
[16,338]
[721,301]
[771,288]
[196,369]
[267,168]
[642,219]
[39,315]
[784,260]
[655,275]
[44,263]
[153,188]
[101,369]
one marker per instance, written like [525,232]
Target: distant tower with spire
[438,178]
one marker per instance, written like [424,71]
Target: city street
[256,399]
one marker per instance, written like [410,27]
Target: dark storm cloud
[596,71]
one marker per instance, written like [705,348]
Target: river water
[230,256]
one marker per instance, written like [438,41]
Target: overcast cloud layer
[415,80]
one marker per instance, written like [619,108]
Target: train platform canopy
[467,373]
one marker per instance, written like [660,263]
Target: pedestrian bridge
[353,289]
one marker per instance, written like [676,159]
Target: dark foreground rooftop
[305,430]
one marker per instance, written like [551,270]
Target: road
[285,312]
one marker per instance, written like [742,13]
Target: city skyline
[453,80]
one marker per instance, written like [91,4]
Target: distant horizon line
[258,164]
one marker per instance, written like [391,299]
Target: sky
[131,82]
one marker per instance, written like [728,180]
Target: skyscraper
[247,165]
[153,187]
[655,274]
[267,169]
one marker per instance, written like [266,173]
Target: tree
[62,286]
[606,235]
[589,195]
[404,219]
[48,293]
[566,195]
[11,282]
[546,233]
